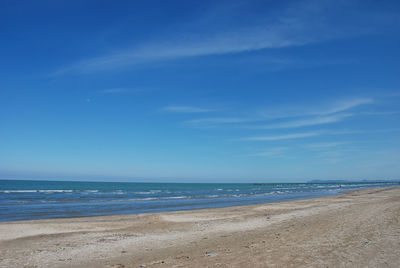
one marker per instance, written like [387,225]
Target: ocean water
[30,200]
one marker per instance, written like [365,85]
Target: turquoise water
[28,199]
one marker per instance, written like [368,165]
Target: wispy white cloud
[121,90]
[213,44]
[350,131]
[323,109]
[187,109]
[345,105]
[310,115]
[336,155]
[324,145]
[217,121]
[388,113]
[113,91]
[319,120]
[302,23]
[273,152]
[395,94]
[282,137]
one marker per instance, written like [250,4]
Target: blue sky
[205,91]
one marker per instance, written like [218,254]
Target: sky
[200,91]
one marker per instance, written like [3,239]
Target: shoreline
[290,234]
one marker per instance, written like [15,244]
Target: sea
[31,200]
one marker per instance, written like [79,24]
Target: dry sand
[357,229]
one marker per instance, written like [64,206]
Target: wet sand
[357,229]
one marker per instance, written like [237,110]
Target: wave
[175,197]
[35,191]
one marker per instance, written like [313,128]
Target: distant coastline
[353,181]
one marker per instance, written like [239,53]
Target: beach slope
[356,229]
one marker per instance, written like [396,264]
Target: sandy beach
[356,229]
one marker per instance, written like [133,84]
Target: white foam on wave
[175,197]
[144,199]
[35,191]
[55,191]
[18,191]
[118,192]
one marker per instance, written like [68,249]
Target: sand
[357,229]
